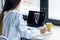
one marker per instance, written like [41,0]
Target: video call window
[36,17]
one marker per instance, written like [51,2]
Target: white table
[55,35]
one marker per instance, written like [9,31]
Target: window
[54,9]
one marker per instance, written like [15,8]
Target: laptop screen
[35,19]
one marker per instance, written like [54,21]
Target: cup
[49,25]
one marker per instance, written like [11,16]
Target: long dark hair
[9,5]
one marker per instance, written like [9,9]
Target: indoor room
[29,19]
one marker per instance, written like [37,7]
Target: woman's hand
[43,30]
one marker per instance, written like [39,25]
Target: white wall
[0,6]
[29,5]
[54,9]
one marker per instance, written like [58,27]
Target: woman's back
[11,23]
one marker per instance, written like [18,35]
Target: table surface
[54,35]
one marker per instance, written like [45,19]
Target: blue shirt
[11,23]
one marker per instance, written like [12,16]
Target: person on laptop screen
[36,18]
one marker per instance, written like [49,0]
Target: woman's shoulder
[13,12]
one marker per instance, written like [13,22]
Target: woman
[10,19]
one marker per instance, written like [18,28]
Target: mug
[49,26]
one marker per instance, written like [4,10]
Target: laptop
[36,19]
